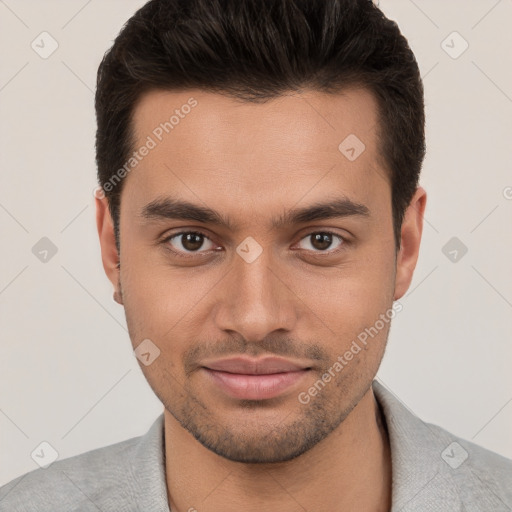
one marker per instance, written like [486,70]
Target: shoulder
[432,465]
[476,472]
[75,483]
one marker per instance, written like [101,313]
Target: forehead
[206,146]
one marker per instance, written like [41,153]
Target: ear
[109,254]
[412,227]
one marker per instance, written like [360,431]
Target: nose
[255,300]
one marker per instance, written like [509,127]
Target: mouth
[262,379]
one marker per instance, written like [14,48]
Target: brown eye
[188,241]
[322,241]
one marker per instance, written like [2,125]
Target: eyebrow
[172,208]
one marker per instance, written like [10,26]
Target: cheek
[350,296]
[149,297]
[163,303]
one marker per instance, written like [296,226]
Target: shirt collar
[148,470]
[421,479]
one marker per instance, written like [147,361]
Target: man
[259,219]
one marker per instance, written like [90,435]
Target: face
[246,231]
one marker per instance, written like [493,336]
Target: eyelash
[168,238]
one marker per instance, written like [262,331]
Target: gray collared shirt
[432,470]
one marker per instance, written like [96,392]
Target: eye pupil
[322,240]
[192,241]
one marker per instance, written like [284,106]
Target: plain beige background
[67,372]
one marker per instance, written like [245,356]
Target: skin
[300,300]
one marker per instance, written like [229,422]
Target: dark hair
[255,50]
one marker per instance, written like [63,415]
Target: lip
[262,366]
[250,379]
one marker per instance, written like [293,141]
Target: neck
[349,470]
